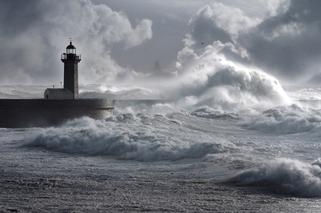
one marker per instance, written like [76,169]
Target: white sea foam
[284,176]
[207,112]
[284,120]
[130,137]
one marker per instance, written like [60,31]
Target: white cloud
[218,22]
[275,7]
[231,20]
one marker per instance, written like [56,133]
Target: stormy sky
[123,40]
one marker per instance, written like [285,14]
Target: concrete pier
[24,113]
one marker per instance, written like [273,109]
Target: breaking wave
[130,137]
[210,78]
[285,120]
[284,176]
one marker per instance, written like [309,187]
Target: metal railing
[66,56]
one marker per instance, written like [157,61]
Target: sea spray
[210,78]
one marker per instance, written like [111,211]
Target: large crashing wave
[284,176]
[130,137]
[210,78]
[206,77]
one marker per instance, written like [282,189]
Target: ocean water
[195,154]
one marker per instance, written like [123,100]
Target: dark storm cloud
[19,44]
[288,44]
[204,34]
[16,16]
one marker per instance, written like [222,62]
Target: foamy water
[266,141]
[272,149]
[131,137]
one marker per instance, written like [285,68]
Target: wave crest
[130,139]
[284,176]
[210,77]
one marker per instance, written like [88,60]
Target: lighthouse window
[71,51]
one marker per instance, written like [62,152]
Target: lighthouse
[71,60]
[70,91]
[59,104]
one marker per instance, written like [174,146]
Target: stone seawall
[23,113]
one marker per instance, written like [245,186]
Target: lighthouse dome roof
[71,46]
